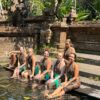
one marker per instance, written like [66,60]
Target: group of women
[63,73]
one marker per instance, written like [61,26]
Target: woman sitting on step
[72,80]
[32,69]
[69,49]
[57,73]
[21,63]
[45,67]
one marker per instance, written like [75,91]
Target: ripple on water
[2,91]
[16,90]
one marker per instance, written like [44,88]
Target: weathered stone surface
[8,43]
[85,37]
[59,35]
[17,31]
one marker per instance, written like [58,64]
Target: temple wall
[85,37]
[8,44]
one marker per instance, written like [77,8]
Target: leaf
[27,98]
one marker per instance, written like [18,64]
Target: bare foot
[13,77]
[46,93]
[24,80]
[34,86]
[52,97]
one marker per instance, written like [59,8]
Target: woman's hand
[31,76]
[50,81]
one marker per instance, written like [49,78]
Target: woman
[72,79]
[32,70]
[45,67]
[57,71]
[22,63]
[69,49]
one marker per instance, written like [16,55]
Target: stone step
[90,82]
[88,58]
[89,91]
[89,69]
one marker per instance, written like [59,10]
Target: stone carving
[19,12]
[72,16]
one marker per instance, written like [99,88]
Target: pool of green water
[11,89]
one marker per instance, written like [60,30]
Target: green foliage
[6,3]
[84,7]
[64,8]
[36,7]
[82,15]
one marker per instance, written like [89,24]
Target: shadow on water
[15,90]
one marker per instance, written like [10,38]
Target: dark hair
[46,49]
[70,42]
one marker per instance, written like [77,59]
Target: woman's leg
[15,74]
[60,93]
[57,92]
[25,74]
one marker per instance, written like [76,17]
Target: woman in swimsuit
[32,69]
[57,72]
[22,63]
[72,80]
[69,49]
[45,67]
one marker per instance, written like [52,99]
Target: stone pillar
[59,36]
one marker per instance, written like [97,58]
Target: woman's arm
[14,52]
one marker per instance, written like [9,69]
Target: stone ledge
[89,91]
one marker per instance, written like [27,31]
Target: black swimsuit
[43,65]
[29,60]
[21,59]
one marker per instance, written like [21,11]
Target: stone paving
[89,91]
[90,81]
[92,69]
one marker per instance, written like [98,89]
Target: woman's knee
[25,74]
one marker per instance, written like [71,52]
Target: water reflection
[16,90]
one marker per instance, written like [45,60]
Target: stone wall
[85,37]
[8,43]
